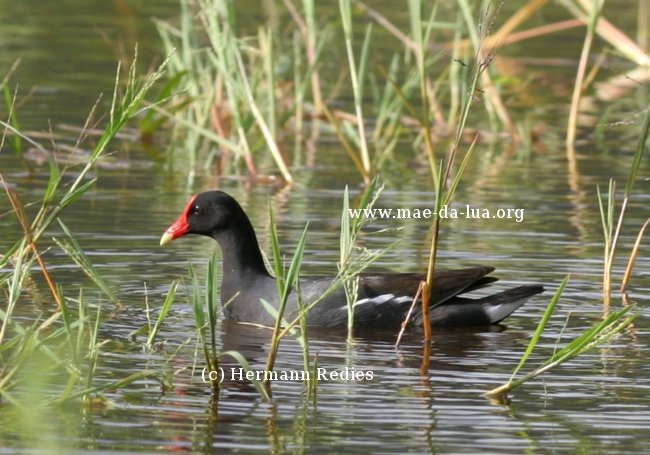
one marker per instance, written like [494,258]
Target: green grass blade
[367,198]
[603,218]
[93,348]
[197,308]
[200,319]
[75,194]
[277,256]
[113,385]
[273,311]
[296,262]
[640,150]
[459,173]
[149,123]
[345,238]
[75,252]
[53,181]
[164,310]
[540,327]
[363,59]
[211,301]
[16,139]
[601,332]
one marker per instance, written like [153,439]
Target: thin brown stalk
[388,25]
[607,284]
[433,251]
[19,210]
[633,255]
[426,320]
[435,107]
[598,64]
[346,144]
[261,123]
[428,146]
[216,111]
[295,15]
[408,315]
[520,16]
[534,32]
[424,366]
[495,98]
[425,285]
[614,36]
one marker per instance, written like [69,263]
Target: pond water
[596,403]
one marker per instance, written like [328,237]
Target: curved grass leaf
[164,310]
[247,367]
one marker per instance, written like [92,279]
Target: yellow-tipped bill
[166,238]
[180,226]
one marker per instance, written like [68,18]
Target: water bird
[383,299]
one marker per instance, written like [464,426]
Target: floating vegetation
[613,325]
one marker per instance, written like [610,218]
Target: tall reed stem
[596,8]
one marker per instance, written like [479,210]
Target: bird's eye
[196,210]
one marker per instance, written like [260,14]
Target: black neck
[241,252]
